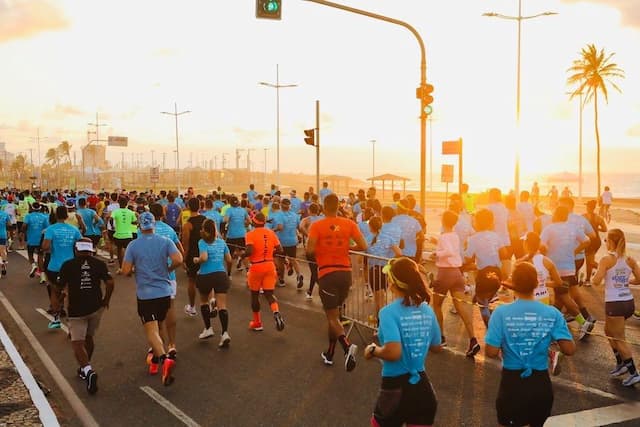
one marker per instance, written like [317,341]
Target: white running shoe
[225,339]
[34,268]
[189,310]
[633,379]
[308,296]
[350,358]
[207,333]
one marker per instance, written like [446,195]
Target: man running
[5,224]
[190,237]
[34,224]
[81,277]
[92,222]
[329,240]
[148,254]
[123,219]
[288,236]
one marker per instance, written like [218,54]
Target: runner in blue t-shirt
[5,221]
[33,226]
[92,222]
[408,331]
[523,331]
[236,219]
[212,214]
[252,194]
[287,233]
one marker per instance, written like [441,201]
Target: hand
[196,260]
[369,350]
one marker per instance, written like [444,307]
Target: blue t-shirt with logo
[288,235]
[274,219]
[236,228]
[216,252]
[214,216]
[523,330]
[63,238]
[36,222]
[88,216]
[165,230]
[416,329]
[409,227]
[148,253]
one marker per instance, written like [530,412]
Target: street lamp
[519,19]
[581,95]
[277,86]
[37,140]
[176,114]
[373,160]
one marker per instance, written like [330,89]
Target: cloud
[26,18]
[634,131]
[629,10]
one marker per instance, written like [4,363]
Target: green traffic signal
[271,6]
[268,9]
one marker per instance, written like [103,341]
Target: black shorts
[151,310]
[218,282]
[377,279]
[47,258]
[95,239]
[524,401]
[122,243]
[290,251]
[192,268]
[400,402]
[54,278]
[488,281]
[11,227]
[334,288]
[570,281]
[33,250]
[236,244]
[619,308]
[19,225]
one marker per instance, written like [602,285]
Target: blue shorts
[3,242]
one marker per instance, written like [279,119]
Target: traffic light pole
[317,145]
[423,83]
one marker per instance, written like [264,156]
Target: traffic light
[424,93]
[268,9]
[310,137]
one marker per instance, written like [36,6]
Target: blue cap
[147,221]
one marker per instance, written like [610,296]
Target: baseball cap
[84,246]
[70,204]
[36,206]
[147,221]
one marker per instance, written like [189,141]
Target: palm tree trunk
[595,103]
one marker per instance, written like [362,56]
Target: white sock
[86,369]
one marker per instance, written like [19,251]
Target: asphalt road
[273,378]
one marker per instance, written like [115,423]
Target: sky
[63,61]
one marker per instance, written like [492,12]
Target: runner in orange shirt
[261,244]
[329,241]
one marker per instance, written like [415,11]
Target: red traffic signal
[310,137]
[424,93]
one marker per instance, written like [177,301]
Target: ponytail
[616,236]
[408,278]
[208,231]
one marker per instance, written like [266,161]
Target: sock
[86,369]
[344,342]
[274,307]
[224,319]
[580,319]
[618,357]
[585,313]
[206,315]
[332,348]
[155,360]
[256,317]
[172,354]
[631,366]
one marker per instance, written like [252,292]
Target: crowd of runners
[509,249]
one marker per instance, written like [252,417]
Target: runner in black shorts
[190,237]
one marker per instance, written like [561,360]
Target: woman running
[523,331]
[616,269]
[408,331]
[599,225]
[214,260]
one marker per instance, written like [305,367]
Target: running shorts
[217,281]
[265,280]
[290,251]
[488,281]
[192,268]
[569,281]
[152,310]
[95,239]
[81,327]
[54,278]
[619,308]
[334,288]
[236,244]
[524,401]
[33,250]
[448,279]
[377,279]
[122,243]
[3,242]
[400,402]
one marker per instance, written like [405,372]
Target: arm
[605,263]
[108,291]
[390,352]
[491,351]
[203,256]
[176,260]
[127,268]
[567,347]
[602,225]
[83,228]
[46,244]
[248,250]
[186,234]
[631,262]
[311,245]
[396,251]
[554,277]
[582,246]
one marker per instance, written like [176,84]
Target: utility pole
[224,160]
[37,140]
[249,150]
[265,163]
[97,125]
[176,114]
[238,151]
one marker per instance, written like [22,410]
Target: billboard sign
[118,141]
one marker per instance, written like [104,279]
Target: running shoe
[43,278]
[368,293]
[350,358]
[81,374]
[308,296]
[239,264]
[586,328]
[443,341]
[149,356]
[326,359]
[281,283]
[213,308]
[154,368]
[54,324]
[279,320]
[474,347]
[636,314]
[554,362]
[34,268]
[256,326]
[225,339]
[119,271]
[63,313]
[4,268]
[167,369]
[290,269]
[92,382]
[587,283]
[300,282]
[633,379]
[189,310]
[620,369]
[569,318]
[173,353]
[111,261]
[207,333]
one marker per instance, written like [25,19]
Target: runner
[123,220]
[212,214]
[34,224]
[5,224]
[148,254]
[190,237]
[535,194]
[468,200]
[60,238]
[411,231]
[616,269]
[599,225]
[607,201]
[237,220]
[305,225]
[261,245]
[73,218]
[288,236]
[324,191]
[329,240]
[92,222]
[81,277]
[172,213]
[523,331]
[527,210]
[214,259]
[408,331]
[501,227]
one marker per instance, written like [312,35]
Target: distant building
[6,156]
[94,157]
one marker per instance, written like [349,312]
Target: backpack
[173,214]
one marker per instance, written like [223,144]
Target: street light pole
[581,110]
[277,86]
[176,114]
[519,19]
[373,158]
[37,139]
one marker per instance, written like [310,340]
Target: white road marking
[597,417]
[169,406]
[45,412]
[50,317]
[80,409]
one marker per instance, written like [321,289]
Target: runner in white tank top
[615,269]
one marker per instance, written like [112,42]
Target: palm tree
[64,148]
[593,72]
[19,167]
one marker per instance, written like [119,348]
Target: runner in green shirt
[123,223]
